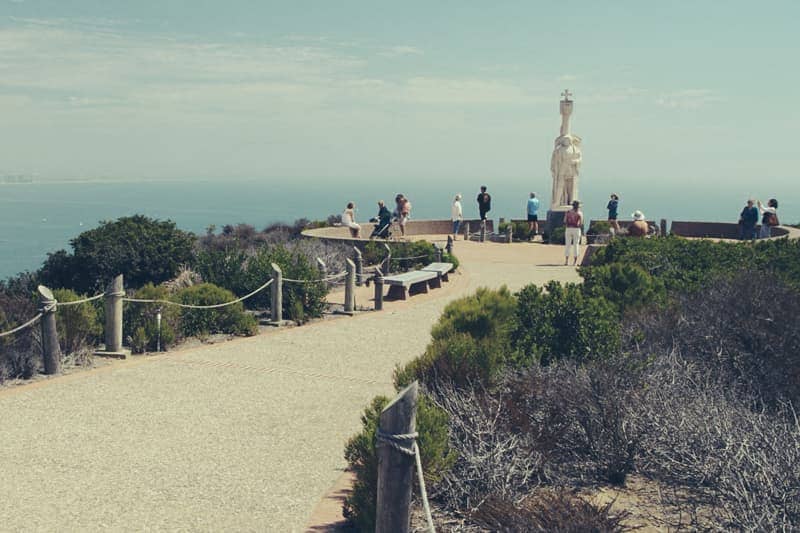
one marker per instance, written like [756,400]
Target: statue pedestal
[555,218]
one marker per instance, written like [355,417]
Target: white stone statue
[565,163]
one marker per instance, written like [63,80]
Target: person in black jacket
[484,202]
[384,219]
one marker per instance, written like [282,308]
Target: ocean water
[37,218]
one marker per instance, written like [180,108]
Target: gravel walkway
[244,435]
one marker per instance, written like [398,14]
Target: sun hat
[638,215]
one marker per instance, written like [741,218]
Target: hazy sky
[677,90]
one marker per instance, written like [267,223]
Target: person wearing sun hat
[639,226]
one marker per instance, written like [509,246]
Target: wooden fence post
[276,304]
[396,469]
[322,267]
[438,254]
[483,231]
[378,281]
[466,231]
[663,227]
[387,262]
[449,246]
[509,234]
[113,326]
[51,351]
[359,261]
[350,288]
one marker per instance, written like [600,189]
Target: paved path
[245,435]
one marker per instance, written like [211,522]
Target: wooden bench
[400,285]
[441,269]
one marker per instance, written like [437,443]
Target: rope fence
[78,302]
[190,306]
[332,278]
[27,324]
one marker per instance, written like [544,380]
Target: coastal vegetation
[161,262]
[672,366]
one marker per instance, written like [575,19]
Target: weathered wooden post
[350,288]
[466,231]
[276,304]
[509,234]
[387,262]
[483,231]
[438,254]
[663,227]
[378,281]
[449,246]
[113,326]
[398,423]
[51,351]
[359,261]
[502,220]
[322,267]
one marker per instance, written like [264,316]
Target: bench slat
[442,268]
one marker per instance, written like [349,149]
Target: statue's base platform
[555,218]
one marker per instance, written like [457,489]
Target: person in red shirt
[573,220]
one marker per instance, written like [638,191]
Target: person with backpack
[769,217]
[484,202]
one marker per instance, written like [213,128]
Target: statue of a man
[566,160]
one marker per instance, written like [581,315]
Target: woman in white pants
[573,220]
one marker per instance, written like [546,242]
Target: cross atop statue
[566,94]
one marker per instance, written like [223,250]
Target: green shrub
[626,286]
[78,326]
[556,236]
[564,323]
[422,252]
[599,227]
[469,342]
[451,258]
[230,319]
[520,231]
[242,273]
[361,455]
[687,265]
[139,320]
[142,249]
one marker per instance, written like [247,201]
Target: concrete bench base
[402,285]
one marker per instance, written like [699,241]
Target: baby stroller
[381,230]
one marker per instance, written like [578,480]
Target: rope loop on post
[399,442]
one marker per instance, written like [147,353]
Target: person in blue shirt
[533,215]
[613,212]
[747,222]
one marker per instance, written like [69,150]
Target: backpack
[772,219]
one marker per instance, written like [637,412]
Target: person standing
[613,212]
[769,217]
[573,220]
[484,202]
[456,215]
[533,215]
[747,221]
[403,212]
